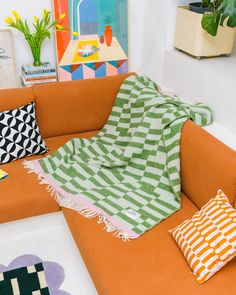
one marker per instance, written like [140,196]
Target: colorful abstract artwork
[28,274]
[94,40]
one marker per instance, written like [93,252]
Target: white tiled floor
[49,238]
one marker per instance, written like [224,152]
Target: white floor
[49,238]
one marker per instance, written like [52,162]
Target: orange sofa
[152,264]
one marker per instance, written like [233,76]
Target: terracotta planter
[108,35]
[192,39]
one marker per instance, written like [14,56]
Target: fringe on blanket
[74,205]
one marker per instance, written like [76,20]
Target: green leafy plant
[42,30]
[206,3]
[221,11]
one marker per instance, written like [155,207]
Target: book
[3,175]
[37,71]
[39,81]
[45,68]
[39,77]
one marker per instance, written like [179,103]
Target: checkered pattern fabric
[129,174]
[24,281]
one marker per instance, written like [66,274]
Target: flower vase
[108,35]
[36,53]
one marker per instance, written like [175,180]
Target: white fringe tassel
[69,203]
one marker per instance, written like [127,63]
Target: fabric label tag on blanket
[132,214]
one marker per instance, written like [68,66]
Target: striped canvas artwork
[208,239]
[129,174]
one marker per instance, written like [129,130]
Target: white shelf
[222,134]
[224,66]
[209,80]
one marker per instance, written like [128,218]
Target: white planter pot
[192,39]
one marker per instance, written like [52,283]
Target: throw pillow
[19,134]
[208,239]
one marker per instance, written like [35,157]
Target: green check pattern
[129,174]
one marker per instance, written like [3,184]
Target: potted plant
[42,30]
[221,12]
[206,28]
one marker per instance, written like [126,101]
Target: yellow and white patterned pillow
[208,239]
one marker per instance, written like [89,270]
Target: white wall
[136,20]
[158,30]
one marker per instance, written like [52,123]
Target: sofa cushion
[151,265]
[21,195]
[75,106]
[208,239]
[206,165]
[19,134]
[14,98]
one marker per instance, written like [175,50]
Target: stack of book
[31,75]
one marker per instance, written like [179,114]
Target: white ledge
[209,80]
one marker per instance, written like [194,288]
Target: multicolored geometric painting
[93,38]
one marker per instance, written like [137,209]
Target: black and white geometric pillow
[19,134]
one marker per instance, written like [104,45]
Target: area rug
[129,174]
[29,275]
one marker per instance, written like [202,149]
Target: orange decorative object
[102,39]
[108,35]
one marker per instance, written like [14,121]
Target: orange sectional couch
[152,264]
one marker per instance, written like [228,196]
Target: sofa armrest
[206,165]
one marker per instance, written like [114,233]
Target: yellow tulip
[9,20]
[75,34]
[36,19]
[16,15]
[45,12]
[62,16]
[59,27]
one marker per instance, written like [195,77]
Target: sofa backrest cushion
[11,99]
[207,165]
[75,106]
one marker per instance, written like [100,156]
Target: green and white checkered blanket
[129,174]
